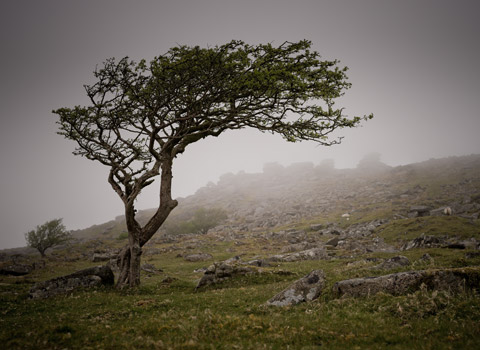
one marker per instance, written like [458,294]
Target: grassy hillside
[167,312]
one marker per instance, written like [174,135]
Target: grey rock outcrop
[307,288]
[419,211]
[149,268]
[219,272]
[198,257]
[453,280]
[87,278]
[393,263]
[425,242]
[309,254]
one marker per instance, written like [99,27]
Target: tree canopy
[142,115]
[48,235]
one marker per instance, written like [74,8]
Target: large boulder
[219,272]
[307,288]
[453,280]
[87,278]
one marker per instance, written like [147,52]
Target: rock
[426,259]
[151,251]
[333,242]
[424,242]
[91,277]
[99,257]
[419,210]
[310,254]
[197,257]
[168,280]
[307,288]
[316,227]
[259,263]
[219,272]
[150,269]
[297,247]
[393,263]
[441,211]
[16,270]
[453,280]
[472,255]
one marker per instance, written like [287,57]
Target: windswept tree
[48,235]
[143,115]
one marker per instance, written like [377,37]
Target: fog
[414,64]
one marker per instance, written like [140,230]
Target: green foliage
[143,111]
[122,236]
[200,222]
[50,234]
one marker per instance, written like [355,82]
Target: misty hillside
[302,192]
[298,257]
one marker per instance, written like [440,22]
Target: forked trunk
[128,259]
[128,262]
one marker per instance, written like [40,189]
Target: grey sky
[414,64]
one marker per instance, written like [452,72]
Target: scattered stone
[150,269]
[472,255]
[307,288]
[426,258]
[151,251]
[393,263]
[219,272]
[333,242]
[419,211]
[168,280]
[297,247]
[99,257]
[316,227]
[16,270]
[310,254]
[453,280]
[232,260]
[441,211]
[425,242]
[198,257]
[259,263]
[91,277]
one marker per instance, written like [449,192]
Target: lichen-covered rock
[453,280]
[307,288]
[309,254]
[393,263]
[198,257]
[87,278]
[219,272]
[425,242]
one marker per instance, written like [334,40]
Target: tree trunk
[129,258]
[128,262]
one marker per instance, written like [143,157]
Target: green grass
[233,315]
[398,231]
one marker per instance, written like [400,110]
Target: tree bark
[129,258]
